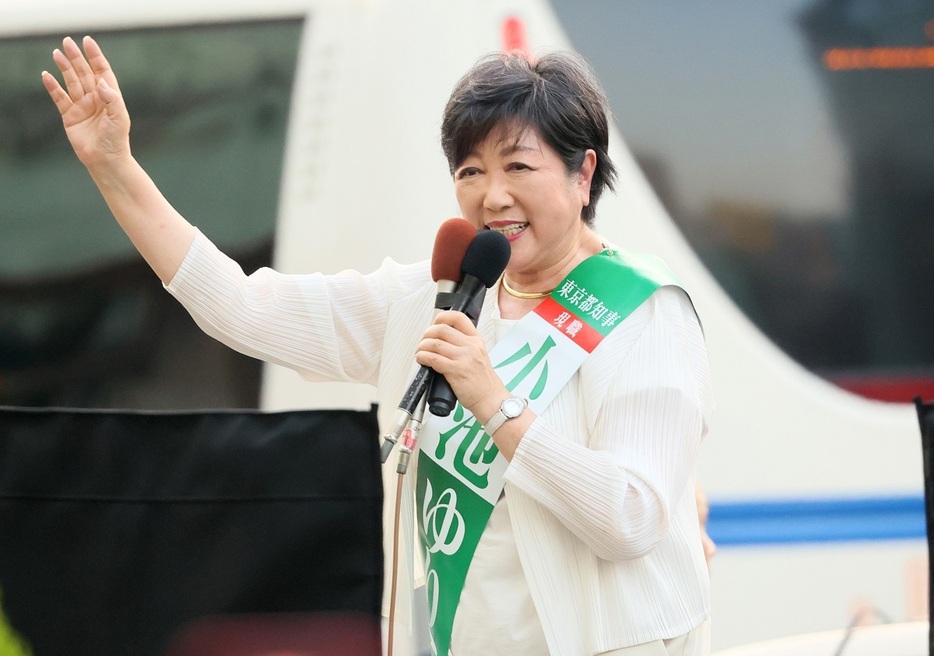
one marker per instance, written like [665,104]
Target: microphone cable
[395,565]
[409,443]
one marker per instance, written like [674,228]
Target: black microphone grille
[486,257]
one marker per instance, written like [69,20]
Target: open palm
[93,112]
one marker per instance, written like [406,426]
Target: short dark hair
[557,94]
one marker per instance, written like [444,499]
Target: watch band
[510,408]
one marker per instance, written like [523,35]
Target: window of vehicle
[792,142]
[83,322]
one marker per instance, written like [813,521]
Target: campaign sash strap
[460,469]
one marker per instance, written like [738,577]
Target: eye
[466,172]
[519,166]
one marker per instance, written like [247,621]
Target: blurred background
[789,141]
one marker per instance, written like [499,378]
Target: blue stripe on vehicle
[816,520]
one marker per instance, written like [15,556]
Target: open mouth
[510,230]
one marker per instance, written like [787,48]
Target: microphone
[451,243]
[484,262]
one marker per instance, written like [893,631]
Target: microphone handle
[417,389]
[441,399]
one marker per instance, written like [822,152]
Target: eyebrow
[517,147]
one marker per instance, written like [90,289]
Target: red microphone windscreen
[451,242]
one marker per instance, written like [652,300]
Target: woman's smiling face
[515,183]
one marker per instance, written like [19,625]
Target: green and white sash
[460,469]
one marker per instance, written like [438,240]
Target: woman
[591,545]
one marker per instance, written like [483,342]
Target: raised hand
[98,127]
[93,112]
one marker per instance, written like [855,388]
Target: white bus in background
[304,134]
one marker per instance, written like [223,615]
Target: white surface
[909,639]
[770,592]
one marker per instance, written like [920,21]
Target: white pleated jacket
[601,488]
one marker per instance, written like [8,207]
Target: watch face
[512,407]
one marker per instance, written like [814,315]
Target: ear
[585,175]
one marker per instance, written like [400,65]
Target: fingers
[462,359]
[452,330]
[457,320]
[444,346]
[81,78]
[73,90]
[56,92]
[83,74]
[437,350]
[98,62]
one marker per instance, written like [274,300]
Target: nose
[497,196]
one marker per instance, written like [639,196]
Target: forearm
[327,328]
[157,230]
[617,499]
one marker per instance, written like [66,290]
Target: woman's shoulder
[668,310]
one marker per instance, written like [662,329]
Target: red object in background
[894,388]
[513,35]
[290,634]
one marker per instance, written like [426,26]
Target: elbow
[631,544]
[635,529]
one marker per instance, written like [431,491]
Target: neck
[547,278]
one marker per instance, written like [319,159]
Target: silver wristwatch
[510,408]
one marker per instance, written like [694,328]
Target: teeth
[510,230]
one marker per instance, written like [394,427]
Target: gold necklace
[523,295]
